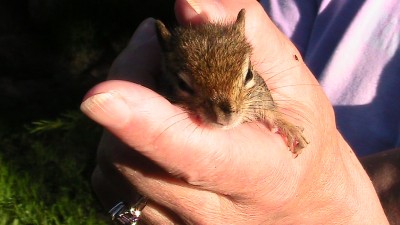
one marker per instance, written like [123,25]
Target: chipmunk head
[207,71]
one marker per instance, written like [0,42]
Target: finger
[168,137]
[110,184]
[111,193]
[171,201]
[156,214]
[126,173]
[142,50]
[200,11]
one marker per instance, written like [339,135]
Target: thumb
[162,132]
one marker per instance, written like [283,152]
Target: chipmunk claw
[293,137]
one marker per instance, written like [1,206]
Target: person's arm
[384,170]
[194,175]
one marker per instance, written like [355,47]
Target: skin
[217,84]
[245,175]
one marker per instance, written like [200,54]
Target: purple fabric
[352,47]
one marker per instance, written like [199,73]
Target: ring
[123,215]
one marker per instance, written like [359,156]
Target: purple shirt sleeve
[352,47]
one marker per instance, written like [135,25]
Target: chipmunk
[208,72]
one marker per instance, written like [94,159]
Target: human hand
[246,175]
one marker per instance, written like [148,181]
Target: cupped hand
[246,175]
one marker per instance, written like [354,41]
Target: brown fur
[207,71]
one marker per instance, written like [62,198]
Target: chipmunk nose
[224,113]
[225,107]
[220,112]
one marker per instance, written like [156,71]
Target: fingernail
[195,5]
[143,33]
[211,10]
[108,109]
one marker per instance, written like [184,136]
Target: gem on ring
[121,215]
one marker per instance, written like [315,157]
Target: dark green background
[51,53]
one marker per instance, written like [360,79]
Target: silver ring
[123,215]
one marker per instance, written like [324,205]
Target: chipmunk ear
[240,21]
[163,35]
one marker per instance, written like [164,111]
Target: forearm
[384,171]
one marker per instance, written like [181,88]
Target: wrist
[343,194]
[361,196]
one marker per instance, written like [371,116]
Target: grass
[28,205]
[52,52]
[47,180]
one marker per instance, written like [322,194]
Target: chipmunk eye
[183,86]
[249,76]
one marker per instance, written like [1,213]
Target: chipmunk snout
[225,107]
[225,113]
